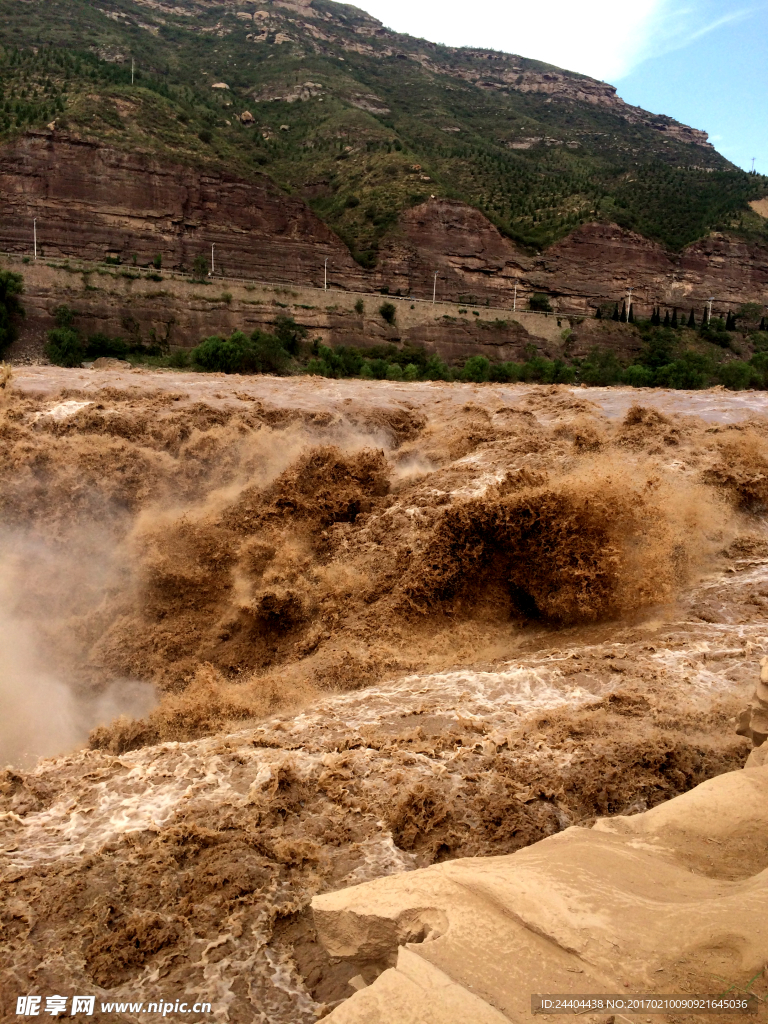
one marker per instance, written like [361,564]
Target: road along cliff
[94,202]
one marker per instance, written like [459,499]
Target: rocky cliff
[94,202]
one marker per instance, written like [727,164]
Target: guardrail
[145,273]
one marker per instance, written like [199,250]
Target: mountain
[363,124]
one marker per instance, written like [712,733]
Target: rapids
[325,631]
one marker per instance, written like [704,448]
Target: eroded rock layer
[647,904]
[93,202]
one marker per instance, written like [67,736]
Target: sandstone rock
[247,117]
[91,200]
[753,721]
[219,85]
[635,904]
[108,363]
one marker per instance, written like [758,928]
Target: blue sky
[704,62]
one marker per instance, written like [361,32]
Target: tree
[631,314]
[623,316]
[476,368]
[666,319]
[388,311]
[157,262]
[200,267]
[11,287]
[615,314]
[259,353]
[599,313]
[539,303]
[64,346]
[290,334]
[673,322]
[692,320]
[359,307]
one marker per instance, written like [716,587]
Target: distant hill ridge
[362,123]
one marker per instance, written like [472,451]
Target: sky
[703,62]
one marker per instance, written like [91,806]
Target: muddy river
[264,638]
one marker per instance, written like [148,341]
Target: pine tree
[656,317]
[673,321]
[599,313]
[692,320]
[615,315]
[730,322]
[705,318]
[666,319]
[623,316]
[631,314]
[762,325]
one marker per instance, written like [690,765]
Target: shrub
[601,368]
[379,368]
[64,346]
[477,369]
[289,334]
[318,368]
[157,262]
[436,369]
[100,344]
[388,311]
[638,376]
[735,375]
[505,373]
[659,345]
[539,303]
[411,372]
[716,332]
[11,287]
[259,353]
[360,307]
[394,372]
[200,266]
[690,372]
[179,359]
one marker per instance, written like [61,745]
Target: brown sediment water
[278,636]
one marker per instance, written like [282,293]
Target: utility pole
[325,272]
[753,165]
[133,68]
[514,301]
[434,288]
[709,315]
[213,265]
[629,302]
[34,234]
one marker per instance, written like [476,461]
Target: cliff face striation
[94,202]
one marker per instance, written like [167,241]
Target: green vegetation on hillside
[359,121]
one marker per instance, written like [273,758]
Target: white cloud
[677,24]
[602,38]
